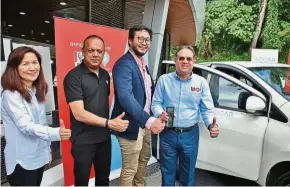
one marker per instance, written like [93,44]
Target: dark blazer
[130,96]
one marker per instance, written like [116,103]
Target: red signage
[69,37]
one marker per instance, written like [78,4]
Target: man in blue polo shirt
[189,96]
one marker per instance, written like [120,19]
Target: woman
[27,135]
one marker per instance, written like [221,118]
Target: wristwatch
[107,123]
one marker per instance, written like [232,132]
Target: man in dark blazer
[133,88]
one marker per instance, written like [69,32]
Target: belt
[181,129]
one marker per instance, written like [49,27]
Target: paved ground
[203,178]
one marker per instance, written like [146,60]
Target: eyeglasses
[182,58]
[141,40]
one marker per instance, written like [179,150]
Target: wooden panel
[180,23]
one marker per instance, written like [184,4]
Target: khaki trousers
[135,156]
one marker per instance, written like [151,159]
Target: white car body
[251,145]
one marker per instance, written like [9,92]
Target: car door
[238,149]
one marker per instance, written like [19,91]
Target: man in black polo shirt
[87,90]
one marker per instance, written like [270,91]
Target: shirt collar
[139,60]
[85,69]
[32,91]
[177,77]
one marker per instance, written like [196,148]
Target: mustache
[95,59]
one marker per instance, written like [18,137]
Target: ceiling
[37,23]
[36,27]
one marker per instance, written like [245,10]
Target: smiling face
[93,53]
[29,69]
[184,61]
[140,44]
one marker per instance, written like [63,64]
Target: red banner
[69,37]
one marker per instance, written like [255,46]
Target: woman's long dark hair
[11,79]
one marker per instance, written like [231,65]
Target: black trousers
[23,177]
[85,155]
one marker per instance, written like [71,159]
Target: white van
[252,105]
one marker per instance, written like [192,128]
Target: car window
[246,81]
[276,77]
[200,72]
[227,94]
[236,75]
[243,79]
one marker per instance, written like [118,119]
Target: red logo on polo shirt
[194,89]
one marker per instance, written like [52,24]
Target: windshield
[277,77]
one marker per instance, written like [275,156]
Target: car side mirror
[254,104]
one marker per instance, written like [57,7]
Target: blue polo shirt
[190,98]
